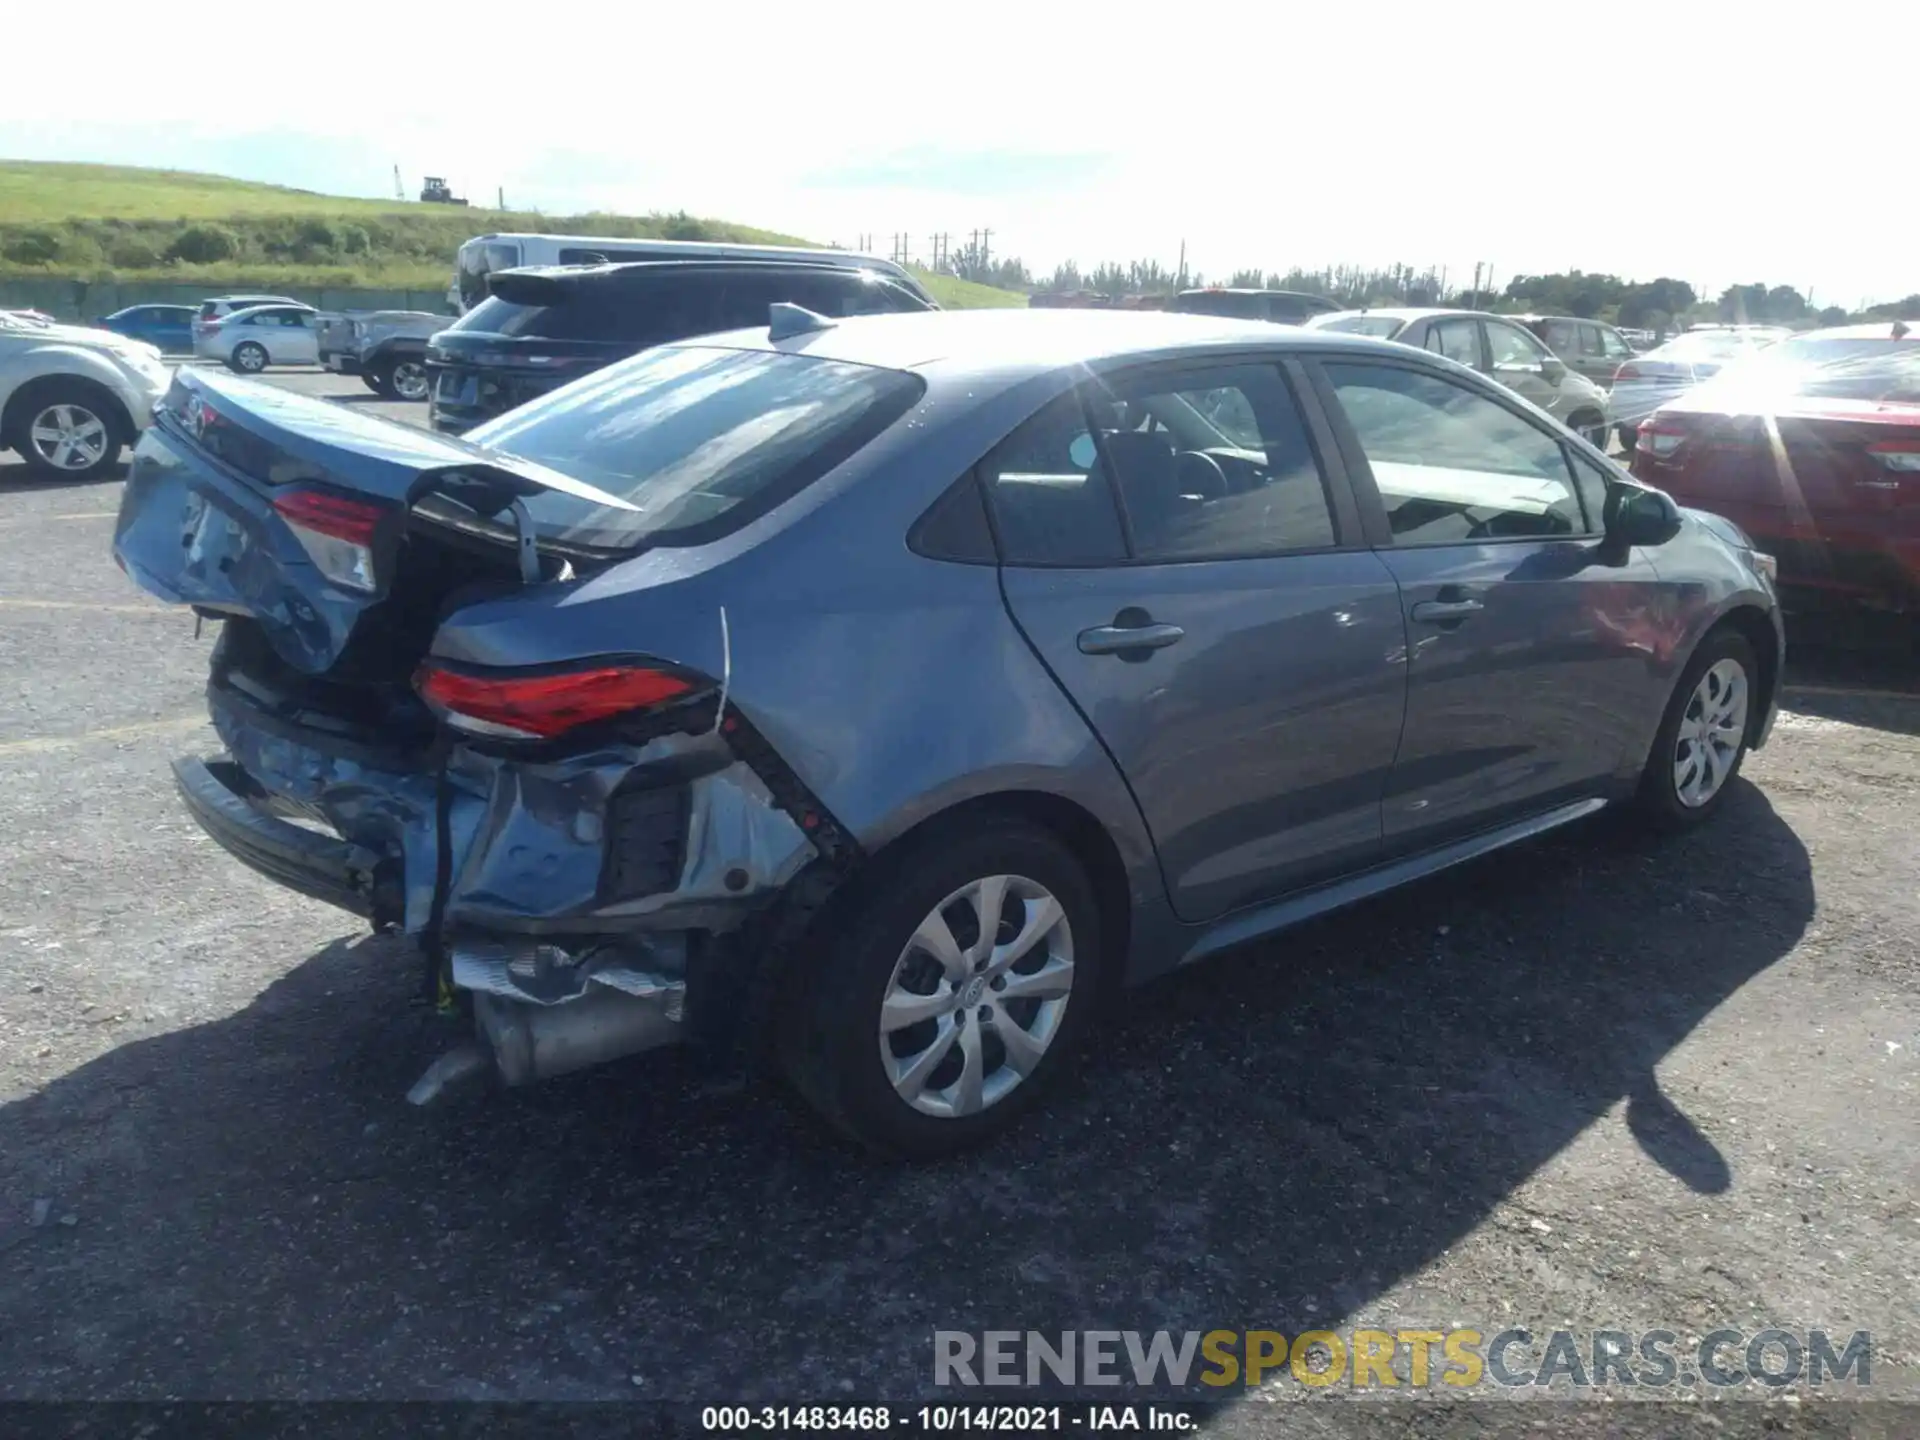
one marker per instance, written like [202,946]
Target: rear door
[1533,650]
[1180,549]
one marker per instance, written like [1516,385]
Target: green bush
[354,240]
[133,253]
[203,245]
[33,247]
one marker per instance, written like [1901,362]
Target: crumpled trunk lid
[199,526]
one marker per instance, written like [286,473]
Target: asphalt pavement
[1598,1081]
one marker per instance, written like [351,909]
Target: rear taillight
[1900,456]
[336,532]
[1661,437]
[539,707]
[1629,371]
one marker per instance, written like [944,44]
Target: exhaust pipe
[534,1042]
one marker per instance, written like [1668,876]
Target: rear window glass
[1379,326]
[700,441]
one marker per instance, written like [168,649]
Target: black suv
[541,327]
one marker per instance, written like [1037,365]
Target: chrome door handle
[1116,639]
[1446,609]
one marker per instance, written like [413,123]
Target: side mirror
[1555,370]
[1637,516]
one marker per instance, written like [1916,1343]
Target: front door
[1522,364]
[1188,569]
[1529,661]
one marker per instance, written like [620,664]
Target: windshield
[700,441]
[1385,327]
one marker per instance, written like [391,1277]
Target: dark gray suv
[872,697]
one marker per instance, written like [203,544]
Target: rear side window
[699,441]
[1562,336]
[1457,340]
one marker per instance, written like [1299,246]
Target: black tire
[1659,800]
[1629,437]
[395,376]
[249,357]
[1590,428]
[33,411]
[833,1055]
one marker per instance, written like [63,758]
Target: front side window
[1590,343]
[1560,337]
[698,441]
[1457,340]
[1453,466]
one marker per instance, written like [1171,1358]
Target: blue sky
[1632,138]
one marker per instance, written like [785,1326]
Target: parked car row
[72,397]
[1504,348]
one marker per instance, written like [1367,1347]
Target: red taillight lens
[1661,436]
[336,532]
[1628,371]
[332,515]
[539,707]
[1900,456]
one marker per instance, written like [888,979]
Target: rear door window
[1562,337]
[699,441]
[1590,345]
[1052,503]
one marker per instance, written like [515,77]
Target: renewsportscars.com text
[1387,1359]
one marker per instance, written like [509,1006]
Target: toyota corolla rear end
[444,709]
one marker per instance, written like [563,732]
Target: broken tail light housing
[337,533]
[1902,457]
[515,705]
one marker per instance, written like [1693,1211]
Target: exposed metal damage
[574,884]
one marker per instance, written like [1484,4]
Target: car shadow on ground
[1268,1140]
[19,480]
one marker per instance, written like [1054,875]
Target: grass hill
[127,225]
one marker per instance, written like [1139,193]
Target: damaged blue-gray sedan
[872,697]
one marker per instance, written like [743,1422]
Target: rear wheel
[249,357]
[66,432]
[401,379]
[1703,736]
[1593,430]
[940,1005]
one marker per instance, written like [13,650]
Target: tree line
[1660,304]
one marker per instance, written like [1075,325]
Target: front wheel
[249,357]
[68,435]
[1703,736]
[946,998]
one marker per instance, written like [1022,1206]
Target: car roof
[1876,330]
[1016,343]
[1411,313]
[253,300]
[239,310]
[638,269]
[1529,318]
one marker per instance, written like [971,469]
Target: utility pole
[1473,296]
[500,197]
[1180,275]
[399,190]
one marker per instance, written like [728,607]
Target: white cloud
[1639,139]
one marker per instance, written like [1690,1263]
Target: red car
[1812,448]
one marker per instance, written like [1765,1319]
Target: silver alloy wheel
[410,380]
[977,996]
[68,436]
[1711,730]
[250,358]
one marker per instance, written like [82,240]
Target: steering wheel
[1198,473]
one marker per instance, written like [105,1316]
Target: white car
[250,340]
[1646,382]
[72,398]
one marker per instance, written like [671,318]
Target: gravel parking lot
[1596,1082]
